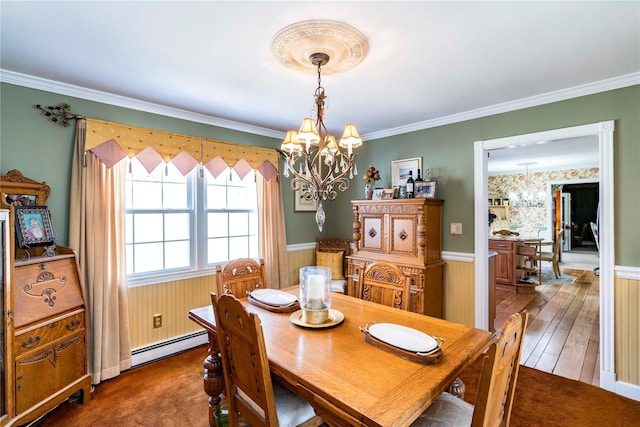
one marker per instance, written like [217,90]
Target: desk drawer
[43,373]
[502,245]
[42,336]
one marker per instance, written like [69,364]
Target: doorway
[604,133]
[580,205]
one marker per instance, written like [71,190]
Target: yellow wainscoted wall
[297,260]
[627,327]
[459,292]
[172,300]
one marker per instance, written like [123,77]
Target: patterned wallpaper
[532,212]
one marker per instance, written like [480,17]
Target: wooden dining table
[353,381]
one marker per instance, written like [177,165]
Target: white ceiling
[429,63]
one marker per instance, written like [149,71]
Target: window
[178,226]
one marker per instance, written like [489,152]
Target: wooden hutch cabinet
[405,232]
[45,311]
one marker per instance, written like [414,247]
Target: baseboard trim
[142,355]
[629,390]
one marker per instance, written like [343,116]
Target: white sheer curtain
[96,232]
[272,236]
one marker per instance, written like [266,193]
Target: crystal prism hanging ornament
[320,216]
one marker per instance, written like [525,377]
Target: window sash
[240,237]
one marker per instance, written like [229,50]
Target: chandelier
[319,165]
[525,197]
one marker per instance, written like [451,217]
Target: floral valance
[112,142]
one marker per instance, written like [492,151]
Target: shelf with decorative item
[370,177]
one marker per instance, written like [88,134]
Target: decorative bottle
[410,186]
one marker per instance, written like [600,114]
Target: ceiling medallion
[293,45]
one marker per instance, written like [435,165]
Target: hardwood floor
[563,334]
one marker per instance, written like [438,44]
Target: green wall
[42,151]
[448,152]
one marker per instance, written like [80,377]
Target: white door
[566,222]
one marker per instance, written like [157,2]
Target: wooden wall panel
[459,292]
[171,299]
[298,259]
[627,330]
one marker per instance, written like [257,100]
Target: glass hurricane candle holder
[315,294]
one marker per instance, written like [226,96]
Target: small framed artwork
[388,193]
[377,194]
[303,201]
[33,226]
[400,170]
[426,190]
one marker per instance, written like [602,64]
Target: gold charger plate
[335,318]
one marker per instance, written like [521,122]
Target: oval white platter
[273,297]
[403,337]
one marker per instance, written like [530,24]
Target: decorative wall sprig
[60,114]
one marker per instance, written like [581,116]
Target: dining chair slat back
[240,276]
[250,392]
[384,283]
[496,386]
[554,256]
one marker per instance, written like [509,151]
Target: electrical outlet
[157,321]
[455,228]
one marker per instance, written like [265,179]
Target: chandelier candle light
[311,154]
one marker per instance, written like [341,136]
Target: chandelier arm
[307,164]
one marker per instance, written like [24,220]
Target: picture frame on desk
[400,170]
[33,226]
[377,194]
[425,190]
[388,193]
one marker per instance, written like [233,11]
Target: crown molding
[533,101]
[135,104]
[125,102]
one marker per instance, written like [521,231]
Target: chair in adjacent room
[332,252]
[384,283]
[496,386]
[241,276]
[594,230]
[250,392]
[554,256]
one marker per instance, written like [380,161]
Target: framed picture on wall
[303,201]
[400,170]
[33,226]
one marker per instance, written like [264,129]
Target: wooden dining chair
[496,387]
[384,283]
[240,276]
[250,392]
[332,252]
[554,256]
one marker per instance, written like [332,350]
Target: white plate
[274,297]
[402,337]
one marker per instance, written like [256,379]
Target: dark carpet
[170,393]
